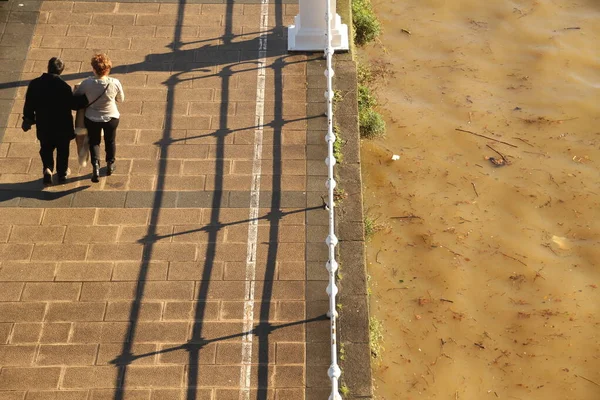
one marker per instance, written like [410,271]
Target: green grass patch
[371,123]
[366,25]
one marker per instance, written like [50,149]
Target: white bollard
[308,31]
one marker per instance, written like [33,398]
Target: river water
[487,277]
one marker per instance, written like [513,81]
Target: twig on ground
[587,379]
[475,189]
[487,137]
[524,141]
[513,258]
[500,154]
[447,301]
[410,216]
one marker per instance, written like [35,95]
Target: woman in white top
[102,114]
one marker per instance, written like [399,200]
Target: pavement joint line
[246,368]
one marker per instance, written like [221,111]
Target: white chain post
[308,31]
[334,371]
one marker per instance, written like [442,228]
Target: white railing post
[308,31]
[334,371]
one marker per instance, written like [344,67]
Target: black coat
[48,104]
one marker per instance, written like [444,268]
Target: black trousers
[95,136]
[47,148]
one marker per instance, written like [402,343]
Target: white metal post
[308,31]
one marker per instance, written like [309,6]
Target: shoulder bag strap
[97,98]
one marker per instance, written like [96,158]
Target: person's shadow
[31,193]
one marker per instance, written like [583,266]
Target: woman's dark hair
[56,66]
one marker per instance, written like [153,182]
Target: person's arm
[78,98]
[120,93]
[29,108]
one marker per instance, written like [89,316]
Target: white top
[105,108]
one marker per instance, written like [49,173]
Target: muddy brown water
[487,278]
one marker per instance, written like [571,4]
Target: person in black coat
[48,104]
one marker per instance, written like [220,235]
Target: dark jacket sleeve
[30,102]
[79,101]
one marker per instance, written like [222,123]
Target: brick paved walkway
[136,287]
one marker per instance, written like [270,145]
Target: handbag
[81,136]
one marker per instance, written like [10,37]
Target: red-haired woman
[102,114]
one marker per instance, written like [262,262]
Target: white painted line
[246,368]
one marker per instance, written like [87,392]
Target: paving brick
[55,333]
[94,291]
[196,234]
[205,355]
[67,354]
[217,290]
[121,311]
[189,311]
[58,17]
[10,291]
[57,395]
[156,20]
[85,30]
[194,271]
[179,216]
[289,376]
[154,376]
[56,6]
[68,216]
[90,377]
[130,271]
[231,353]
[56,252]
[108,353]
[64,42]
[51,291]
[20,216]
[293,394]
[37,234]
[91,234]
[84,271]
[187,152]
[29,378]
[147,8]
[108,394]
[169,290]
[12,395]
[16,355]
[161,332]
[21,312]
[291,353]
[132,31]
[99,332]
[174,252]
[290,311]
[26,333]
[176,183]
[115,252]
[123,216]
[80,311]
[94,7]
[5,330]
[25,271]
[113,19]
[153,167]
[219,376]
[4,233]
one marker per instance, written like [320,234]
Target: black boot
[110,168]
[95,172]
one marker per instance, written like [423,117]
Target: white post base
[308,31]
